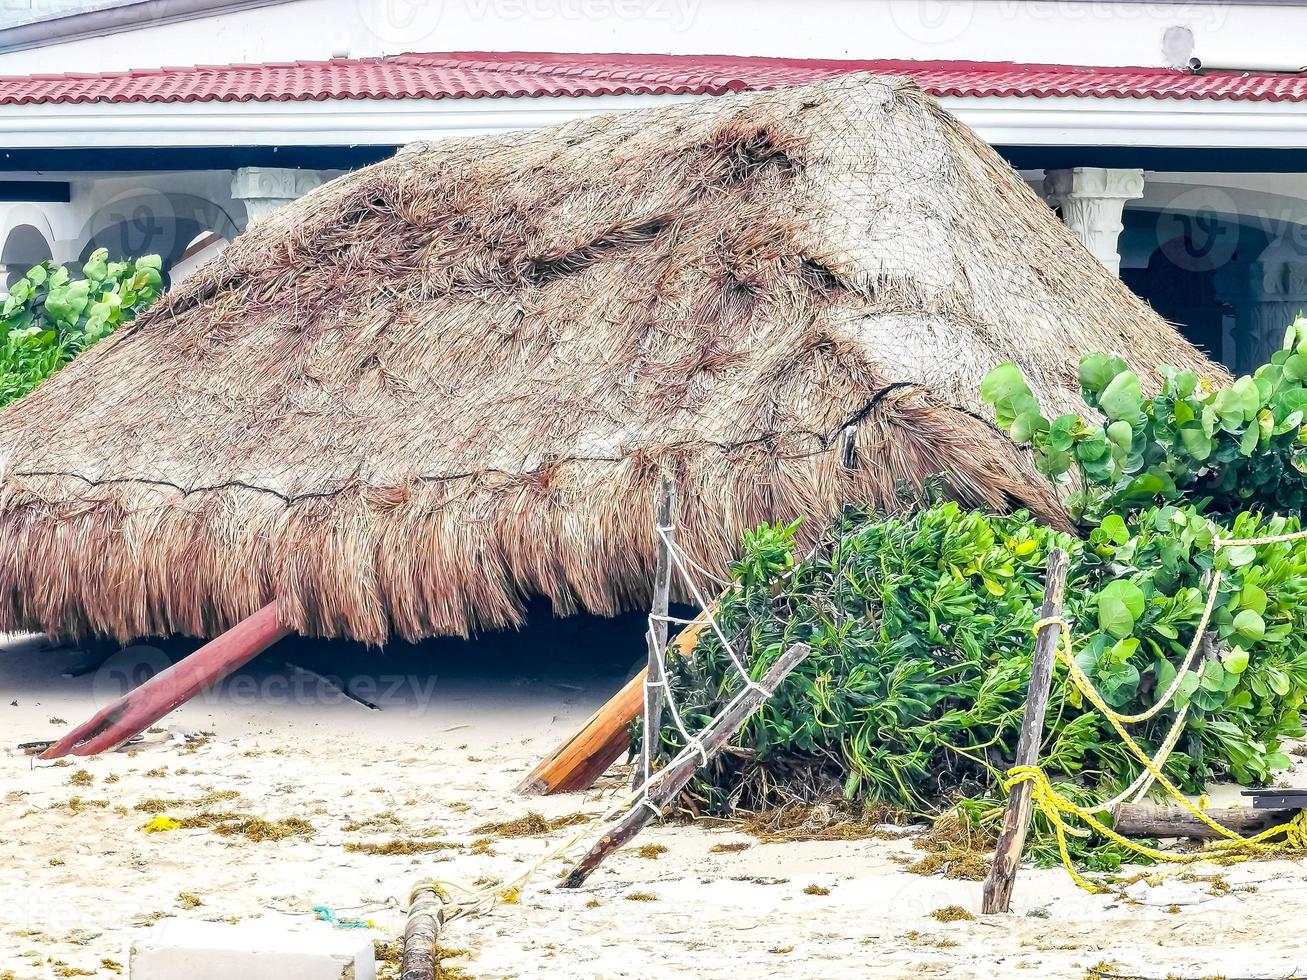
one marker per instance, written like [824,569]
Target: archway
[1182,264]
[24,247]
[146,222]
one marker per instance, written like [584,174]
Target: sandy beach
[291,797]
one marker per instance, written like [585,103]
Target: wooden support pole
[1151,820]
[654,691]
[141,707]
[670,781]
[426,915]
[586,755]
[1016,821]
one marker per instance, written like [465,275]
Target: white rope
[664,532]
[724,583]
[674,551]
[486,897]
[683,564]
[483,898]
[691,741]
[669,703]
[658,618]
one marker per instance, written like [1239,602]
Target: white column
[264,189]
[1091,200]
[1266,295]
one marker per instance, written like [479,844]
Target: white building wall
[145,206]
[1095,32]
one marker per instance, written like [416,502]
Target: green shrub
[920,624]
[49,317]
[1227,449]
[920,628]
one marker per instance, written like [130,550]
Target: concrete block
[178,950]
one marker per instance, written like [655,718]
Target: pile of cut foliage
[49,316]
[920,622]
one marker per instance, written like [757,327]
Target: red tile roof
[473,74]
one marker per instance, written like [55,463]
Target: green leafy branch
[1238,446]
[49,317]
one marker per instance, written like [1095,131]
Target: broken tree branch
[426,914]
[1152,820]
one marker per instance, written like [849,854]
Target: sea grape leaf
[1250,625]
[1120,604]
[1122,398]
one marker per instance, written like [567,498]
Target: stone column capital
[264,189]
[1091,200]
[1094,182]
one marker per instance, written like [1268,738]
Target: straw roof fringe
[442,384]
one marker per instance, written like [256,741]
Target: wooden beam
[670,781]
[141,707]
[426,915]
[1151,820]
[576,763]
[1016,821]
[657,633]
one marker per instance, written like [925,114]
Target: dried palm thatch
[449,381]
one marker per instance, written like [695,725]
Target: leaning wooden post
[655,679]
[142,706]
[576,763]
[668,782]
[1016,821]
[426,914]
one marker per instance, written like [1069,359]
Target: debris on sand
[532,825]
[956,848]
[399,845]
[952,913]
[801,822]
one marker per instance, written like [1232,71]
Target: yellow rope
[1053,805]
[1056,807]
[1165,699]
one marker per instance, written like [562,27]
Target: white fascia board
[332,122]
[1079,121]
[1005,121]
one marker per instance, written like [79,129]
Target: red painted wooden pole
[141,707]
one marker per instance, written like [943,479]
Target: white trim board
[1003,121]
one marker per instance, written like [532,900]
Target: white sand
[79,885]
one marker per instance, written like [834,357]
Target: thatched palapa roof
[445,383]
